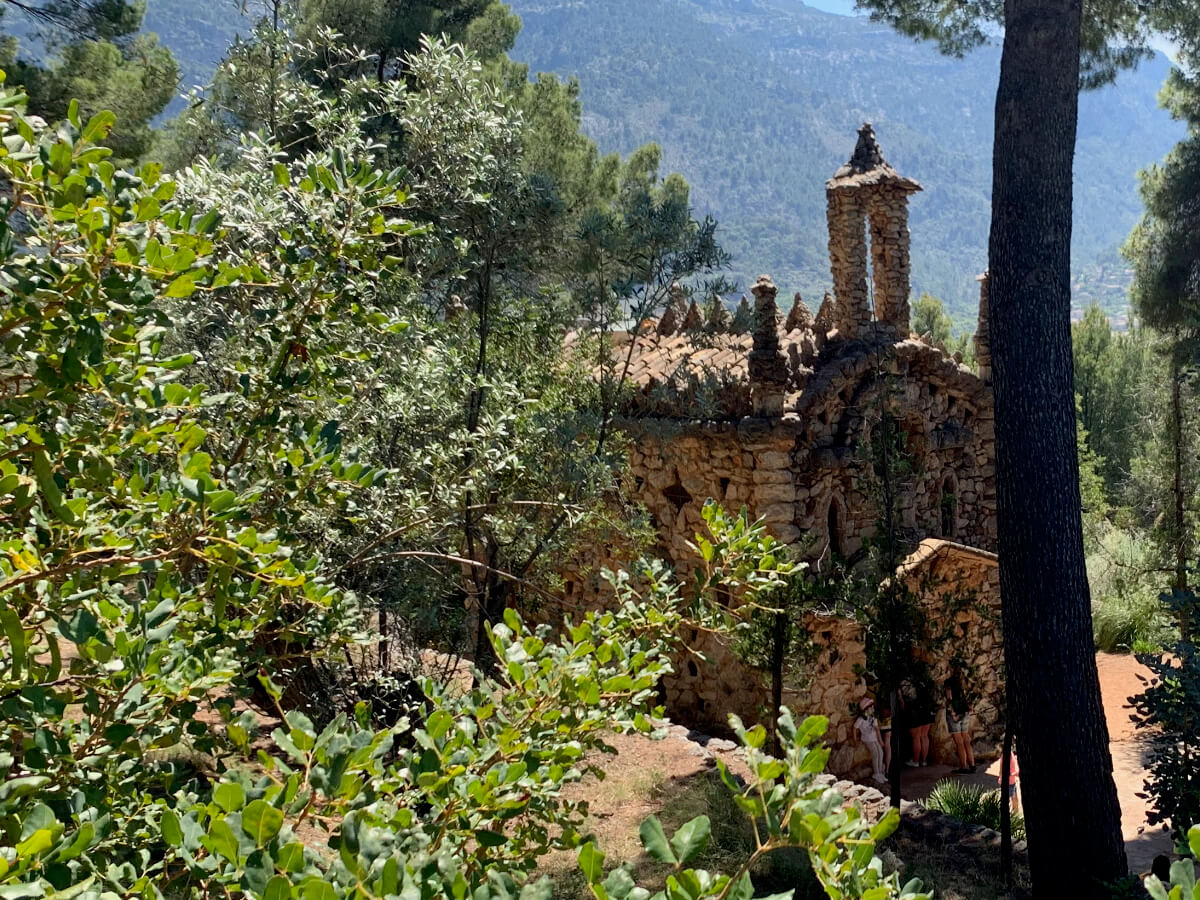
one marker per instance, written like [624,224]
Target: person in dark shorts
[917,706]
[958,723]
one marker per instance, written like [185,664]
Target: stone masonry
[776,415]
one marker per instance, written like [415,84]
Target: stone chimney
[719,319]
[867,194]
[826,317]
[768,365]
[675,313]
[693,321]
[743,318]
[799,318]
[983,346]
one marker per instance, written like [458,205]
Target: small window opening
[949,508]
[724,486]
[692,669]
[833,527]
[678,495]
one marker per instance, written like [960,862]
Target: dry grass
[640,783]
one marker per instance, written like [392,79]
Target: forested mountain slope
[756,103]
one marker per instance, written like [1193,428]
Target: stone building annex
[773,410]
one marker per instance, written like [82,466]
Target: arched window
[948,506]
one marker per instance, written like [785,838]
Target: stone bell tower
[867,194]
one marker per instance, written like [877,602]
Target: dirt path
[641,773]
[1119,680]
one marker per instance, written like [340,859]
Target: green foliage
[1169,709]
[154,539]
[1114,370]
[972,804]
[1183,884]
[95,56]
[929,318]
[1126,612]
[789,809]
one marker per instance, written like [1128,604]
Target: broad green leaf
[171,831]
[290,857]
[16,639]
[98,126]
[49,488]
[691,838]
[220,840]
[591,863]
[183,286]
[278,888]
[488,838]
[261,821]
[317,889]
[438,723]
[654,839]
[230,796]
[38,842]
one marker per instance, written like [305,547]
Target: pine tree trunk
[1071,811]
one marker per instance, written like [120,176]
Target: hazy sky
[845,7]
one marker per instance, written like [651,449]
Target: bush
[972,804]
[1168,710]
[1126,612]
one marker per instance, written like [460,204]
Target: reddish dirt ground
[641,767]
[1120,678]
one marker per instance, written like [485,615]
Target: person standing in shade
[917,706]
[958,723]
[867,730]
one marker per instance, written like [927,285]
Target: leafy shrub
[972,804]
[1126,612]
[153,575]
[1169,709]
[1183,884]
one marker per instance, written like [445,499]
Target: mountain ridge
[756,103]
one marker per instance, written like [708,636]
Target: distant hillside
[198,33]
[756,102]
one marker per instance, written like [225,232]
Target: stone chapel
[773,410]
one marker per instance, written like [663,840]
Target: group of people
[918,713]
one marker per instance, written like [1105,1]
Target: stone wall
[959,595]
[777,415]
